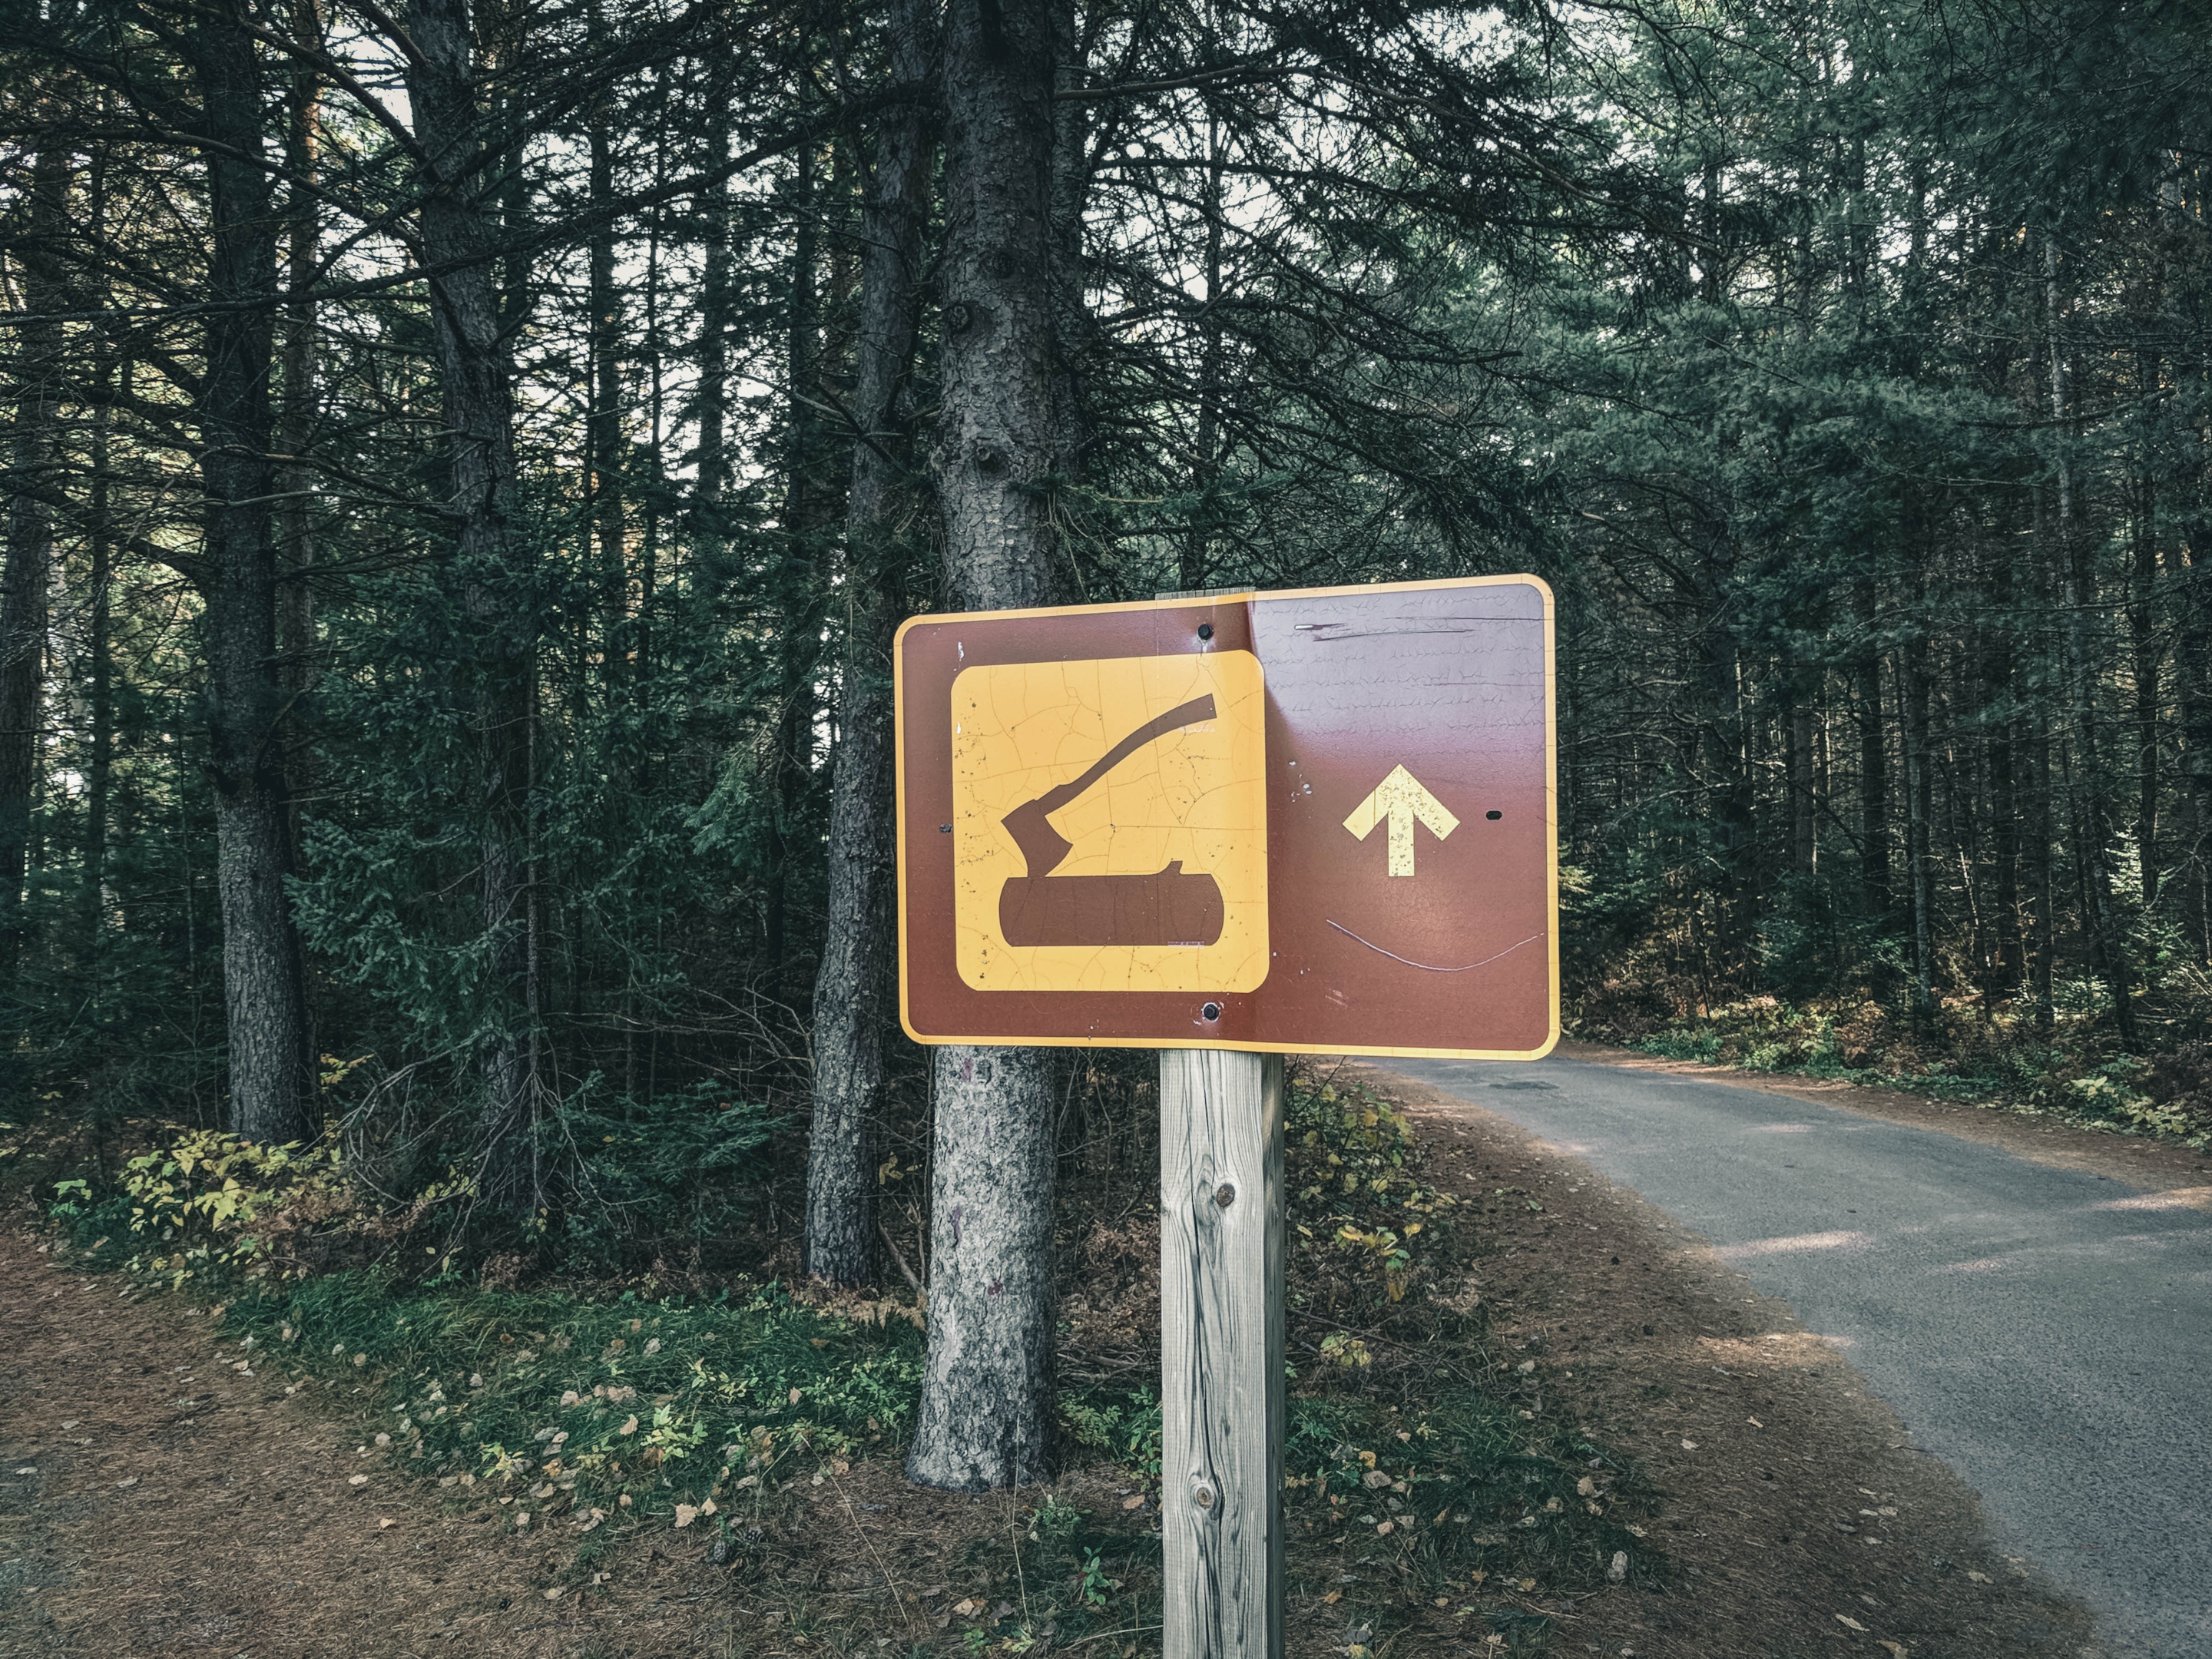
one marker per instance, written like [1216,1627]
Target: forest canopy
[464,464]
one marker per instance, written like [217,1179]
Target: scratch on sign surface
[1428,968]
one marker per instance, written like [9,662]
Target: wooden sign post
[1230,826]
[1222,1397]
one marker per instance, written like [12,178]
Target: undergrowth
[557,1404]
[1417,1490]
[1955,1057]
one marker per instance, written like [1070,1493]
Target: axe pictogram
[1168,908]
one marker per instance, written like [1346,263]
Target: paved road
[2047,1333]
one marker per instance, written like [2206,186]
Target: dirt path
[157,1499]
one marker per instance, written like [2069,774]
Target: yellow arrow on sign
[1400,799]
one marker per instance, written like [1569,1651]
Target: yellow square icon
[1110,824]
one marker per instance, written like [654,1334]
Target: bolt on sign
[1319,821]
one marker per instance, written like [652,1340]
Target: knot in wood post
[1227,1194]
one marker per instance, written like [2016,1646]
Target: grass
[1416,1489]
[608,1404]
[1966,1061]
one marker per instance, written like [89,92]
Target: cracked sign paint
[1110,824]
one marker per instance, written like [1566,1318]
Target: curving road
[2046,1332]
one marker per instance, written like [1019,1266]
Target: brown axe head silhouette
[1043,847]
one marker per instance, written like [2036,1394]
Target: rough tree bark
[39,459]
[264,980]
[605,486]
[1874,762]
[496,589]
[852,987]
[1998,688]
[1196,548]
[984,1419]
[711,402]
[2076,586]
[793,729]
[1804,689]
[295,434]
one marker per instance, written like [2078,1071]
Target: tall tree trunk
[2085,793]
[985,1417]
[2192,636]
[1073,331]
[2041,828]
[711,401]
[296,480]
[603,442]
[24,585]
[1197,541]
[1919,783]
[1997,691]
[1728,776]
[497,591]
[852,987]
[263,982]
[99,738]
[2143,640]
[793,730]
[1874,762]
[1804,684]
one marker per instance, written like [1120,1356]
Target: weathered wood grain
[1221,1319]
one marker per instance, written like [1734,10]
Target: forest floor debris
[187,1495]
[1776,1470]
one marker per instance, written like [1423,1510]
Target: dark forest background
[460,474]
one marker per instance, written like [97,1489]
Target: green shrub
[680,1166]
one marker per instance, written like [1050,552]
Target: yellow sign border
[1238,597]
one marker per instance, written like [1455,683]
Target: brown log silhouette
[1166,907]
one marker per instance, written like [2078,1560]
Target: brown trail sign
[1154,826]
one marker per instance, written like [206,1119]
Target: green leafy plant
[213,1201]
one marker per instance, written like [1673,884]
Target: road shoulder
[2182,1175]
[1799,1515]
